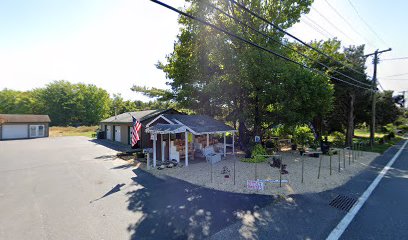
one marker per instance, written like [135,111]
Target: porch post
[154,149]
[233,145]
[208,140]
[186,145]
[161,147]
[225,144]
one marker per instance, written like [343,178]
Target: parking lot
[74,188]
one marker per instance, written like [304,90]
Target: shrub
[391,135]
[303,135]
[338,139]
[256,151]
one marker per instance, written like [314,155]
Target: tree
[386,109]
[73,104]
[16,102]
[212,73]
[351,104]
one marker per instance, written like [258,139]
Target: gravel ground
[199,173]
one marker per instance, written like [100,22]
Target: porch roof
[166,128]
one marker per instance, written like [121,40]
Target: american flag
[136,127]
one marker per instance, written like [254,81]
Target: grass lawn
[86,131]
[380,148]
[366,133]
[364,136]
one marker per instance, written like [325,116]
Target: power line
[368,26]
[333,25]
[292,36]
[348,24]
[317,27]
[250,42]
[391,59]
[280,43]
[395,75]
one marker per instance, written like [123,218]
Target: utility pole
[375,62]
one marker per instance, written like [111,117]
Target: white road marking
[341,227]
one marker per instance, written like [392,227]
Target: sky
[115,44]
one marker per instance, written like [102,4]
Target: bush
[256,151]
[338,139]
[391,135]
[303,135]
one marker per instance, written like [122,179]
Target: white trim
[341,227]
[155,119]
[177,130]
[189,129]
[186,148]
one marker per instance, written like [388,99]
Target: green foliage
[389,128]
[338,139]
[211,73]
[17,102]
[386,110]
[303,135]
[258,150]
[70,104]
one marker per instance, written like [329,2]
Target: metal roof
[140,116]
[199,124]
[24,118]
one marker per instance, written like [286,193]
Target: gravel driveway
[73,188]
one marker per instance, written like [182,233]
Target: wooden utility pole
[373,95]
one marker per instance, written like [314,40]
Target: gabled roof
[140,116]
[24,118]
[199,124]
[166,128]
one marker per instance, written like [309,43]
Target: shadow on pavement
[112,145]
[175,209]
[115,189]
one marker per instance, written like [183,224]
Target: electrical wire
[317,27]
[348,24]
[280,43]
[250,42]
[333,25]
[396,75]
[368,26]
[391,59]
[292,36]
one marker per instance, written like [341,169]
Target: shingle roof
[199,123]
[24,118]
[167,128]
[140,116]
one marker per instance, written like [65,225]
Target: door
[15,131]
[108,132]
[36,131]
[117,133]
[130,129]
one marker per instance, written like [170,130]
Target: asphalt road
[385,213]
[309,216]
[73,188]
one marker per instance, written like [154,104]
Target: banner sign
[255,185]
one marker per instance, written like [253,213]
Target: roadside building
[119,128]
[23,126]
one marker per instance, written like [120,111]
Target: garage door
[15,131]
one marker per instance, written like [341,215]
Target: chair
[211,156]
